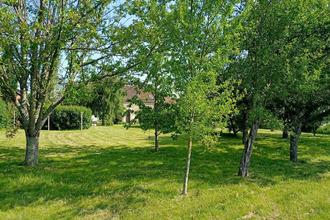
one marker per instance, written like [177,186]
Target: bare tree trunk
[245,161]
[156,124]
[32,149]
[285,132]
[297,124]
[156,140]
[185,183]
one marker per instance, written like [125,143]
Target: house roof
[131,91]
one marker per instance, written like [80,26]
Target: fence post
[81,120]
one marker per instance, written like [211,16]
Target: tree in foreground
[46,48]
[202,112]
[201,37]
[252,70]
[304,91]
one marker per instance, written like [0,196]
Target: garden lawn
[112,173]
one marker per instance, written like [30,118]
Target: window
[151,97]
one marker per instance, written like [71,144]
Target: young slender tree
[155,21]
[202,37]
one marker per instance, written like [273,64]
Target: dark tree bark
[285,132]
[185,183]
[297,124]
[156,140]
[233,127]
[245,161]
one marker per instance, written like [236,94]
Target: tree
[260,66]
[194,40]
[201,35]
[57,41]
[304,87]
[160,116]
[153,76]
[109,100]
[282,41]
[202,112]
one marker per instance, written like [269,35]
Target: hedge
[323,130]
[4,116]
[68,118]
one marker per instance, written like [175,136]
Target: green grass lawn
[112,173]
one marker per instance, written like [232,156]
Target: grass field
[112,173]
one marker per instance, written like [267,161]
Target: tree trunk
[245,161]
[285,132]
[156,112]
[185,183]
[32,149]
[297,124]
[314,130]
[156,140]
[245,129]
[233,127]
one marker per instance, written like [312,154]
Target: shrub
[68,118]
[4,116]
[324,129]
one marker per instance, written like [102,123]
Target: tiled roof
[133,90]
[145,96]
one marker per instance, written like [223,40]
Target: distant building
[132,91]
[146,97]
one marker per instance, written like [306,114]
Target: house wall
[134,108]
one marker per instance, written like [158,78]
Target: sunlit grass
[112,173]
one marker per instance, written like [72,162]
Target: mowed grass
[112,173]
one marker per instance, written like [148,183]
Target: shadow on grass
[127,174]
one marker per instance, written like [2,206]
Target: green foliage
[203,108]
[302,93]
[105,98]
[323,129]
[163,116]
[69,118]
[4,115]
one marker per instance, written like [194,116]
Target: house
[132,91]
[146,97]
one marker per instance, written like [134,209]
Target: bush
[4,116]
[324,129]
[68,118]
